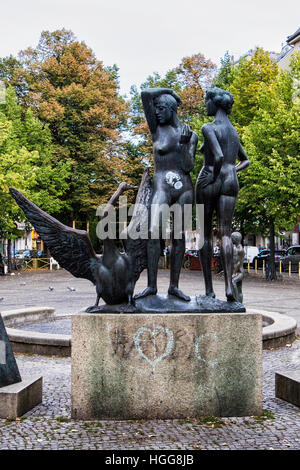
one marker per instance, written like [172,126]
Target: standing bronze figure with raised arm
[217,184]
[174,147]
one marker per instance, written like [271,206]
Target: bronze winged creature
[114,273]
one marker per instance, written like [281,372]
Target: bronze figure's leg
[153,245]
[206,196]
[178,247]
[237,287]
[226,205]
[177,254]
[153,253]
[129,293]
[206,253]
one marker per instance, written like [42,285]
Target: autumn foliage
[77,97]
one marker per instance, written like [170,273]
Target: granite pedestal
[17,396]
[166,366]
[287,386]
[17,399]
[9,371]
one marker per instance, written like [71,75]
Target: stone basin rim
[280,326]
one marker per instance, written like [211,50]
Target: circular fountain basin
[32,341]
[40,331]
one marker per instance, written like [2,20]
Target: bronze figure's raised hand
[186,134]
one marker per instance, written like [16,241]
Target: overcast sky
[142,37]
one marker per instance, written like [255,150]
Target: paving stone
[44,427]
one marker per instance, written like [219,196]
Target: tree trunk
[272,267]
[242,231]
[9,263]
[71,222]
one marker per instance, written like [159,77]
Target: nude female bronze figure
[174,147]
[217,184]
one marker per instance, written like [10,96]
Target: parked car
[292,255]
[192,253]
[37,254]
[22,254]
[250,253]
[41,254]
[191,259]
[265,255]
[27,254]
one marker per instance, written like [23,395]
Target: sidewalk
[32,289]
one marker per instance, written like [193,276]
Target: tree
[194,74]
[141,137]
[133,166]
[189,80]
[266,116]
[77,97]
[8,66]
[26,163]
[225,75]
[249,79]
[269,196]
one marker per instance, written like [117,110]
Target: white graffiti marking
[153,338]
[173,179]
[198,340]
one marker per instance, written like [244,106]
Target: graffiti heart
[151,337]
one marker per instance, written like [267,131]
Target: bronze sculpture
[217,184]
[114,274]
[174,148]
[238,269]
[9,371]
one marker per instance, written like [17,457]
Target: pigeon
[72,289]
[50,288]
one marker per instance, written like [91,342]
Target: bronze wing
[136,248]
[72,248]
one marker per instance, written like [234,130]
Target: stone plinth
[9,372]
[171,304]
[165,366]
[287,386]
[17,399]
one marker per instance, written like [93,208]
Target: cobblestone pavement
[49,425]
